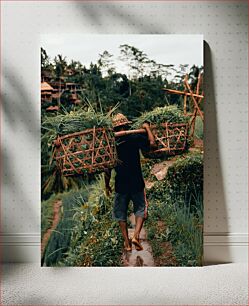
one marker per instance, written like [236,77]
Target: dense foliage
[176,203]
[183,182]
[177,227]
[86,234]
[139,90]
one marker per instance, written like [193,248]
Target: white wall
[224,26]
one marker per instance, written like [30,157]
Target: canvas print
[121,150]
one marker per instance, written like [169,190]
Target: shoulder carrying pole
[123,133]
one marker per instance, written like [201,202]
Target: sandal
[138,245]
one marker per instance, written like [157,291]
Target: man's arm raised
[150,135]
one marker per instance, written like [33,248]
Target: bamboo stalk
[198,84]
[81,133]
[167,133]
[182,93]
[185,105]
[93,147]
[195,102]
[185,99]
[193,118]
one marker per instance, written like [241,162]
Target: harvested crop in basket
[169,114]
[84,141]
[170,129]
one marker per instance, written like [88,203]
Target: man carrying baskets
[129,182]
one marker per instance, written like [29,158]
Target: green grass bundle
[74,121]
[169,114]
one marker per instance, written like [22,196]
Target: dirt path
[145,257]
[46,236]
[136,258]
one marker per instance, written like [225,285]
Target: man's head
[120,122]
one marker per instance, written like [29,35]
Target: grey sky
[164,49]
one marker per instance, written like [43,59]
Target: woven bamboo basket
[89,151]
[170,138]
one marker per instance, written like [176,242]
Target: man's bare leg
[124,231]
[138,227]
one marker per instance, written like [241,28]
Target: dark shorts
[121,202]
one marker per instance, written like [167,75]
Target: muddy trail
[56,219]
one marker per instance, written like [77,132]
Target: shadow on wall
[214,195]
[122,15]
[20,115]
[19,104]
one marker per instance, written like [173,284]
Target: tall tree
[135,60]
[47,68]
[106,63]
[60,68]
[44,59]
[60,65]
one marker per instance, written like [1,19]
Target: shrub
[177,203]
[188,243]
[184,180]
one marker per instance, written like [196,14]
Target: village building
[54,90]
[46,92]
[58,85]
[73,87]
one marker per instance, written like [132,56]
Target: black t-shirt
[129,178]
